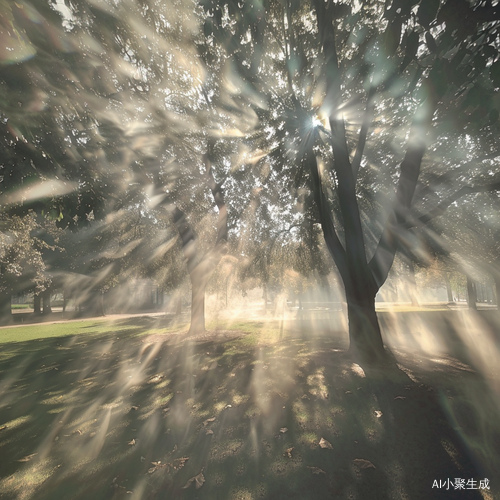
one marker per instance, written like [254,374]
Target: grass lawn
[100,410]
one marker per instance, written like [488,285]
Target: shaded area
[120,414]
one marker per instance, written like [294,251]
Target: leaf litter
[316,470]
[323,443]
[197,480]
[361,463]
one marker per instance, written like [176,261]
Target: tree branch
[218,195]
[331,238]
[382,259]
[365,126]
[447,176]
[441,208]
[188,238]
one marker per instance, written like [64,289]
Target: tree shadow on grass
[116,415]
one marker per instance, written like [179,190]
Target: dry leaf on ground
[208,421]
[363,464]
[378,413]
[27,458]
[180,462]
[288,452]
[157,465]
[316,470]
[197,480]
[131,443]
[283,430]
[323,443]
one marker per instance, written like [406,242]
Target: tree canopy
[365,120]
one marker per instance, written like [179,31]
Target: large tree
[355,102]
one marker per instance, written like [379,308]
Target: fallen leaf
[228,406]
[3,428]
[348,392]
[180,462]
[157,465]
[197,480]
[316,470]
[400,397]
[209,431]
[323,443]
[27,458]
[363,464]
[283,430]
[134,408]
[131,443]
[208,420]
[288,452]
[378,413]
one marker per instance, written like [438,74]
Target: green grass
[46,331]
[95,409]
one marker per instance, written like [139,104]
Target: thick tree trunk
[471,294]
[358,278]
[5,307]
[201,267]
[364,330]
[47,309]
[37,301]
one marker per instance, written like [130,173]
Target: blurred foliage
[107,110]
